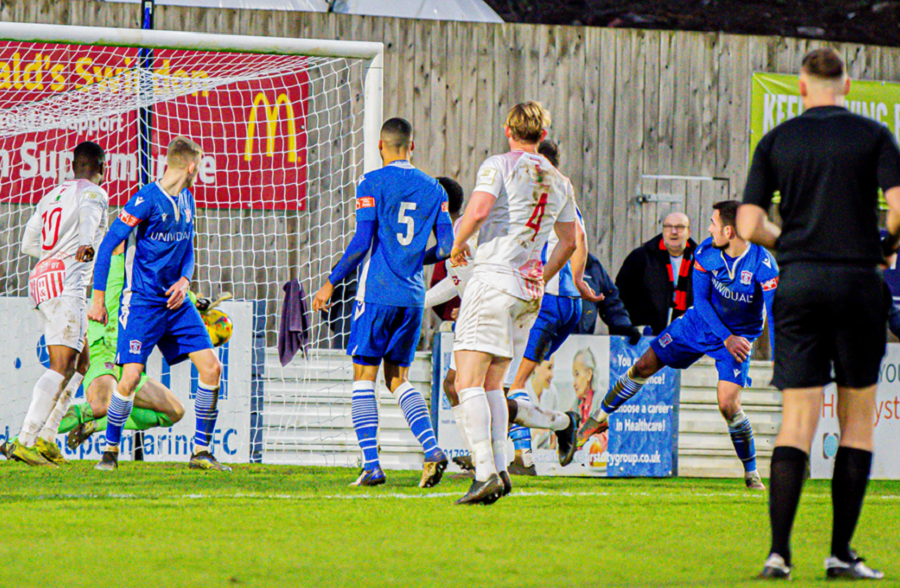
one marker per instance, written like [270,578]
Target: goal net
[286,127]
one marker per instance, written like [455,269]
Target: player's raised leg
[740,430]
[624,389]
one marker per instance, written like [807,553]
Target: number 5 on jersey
[406,239]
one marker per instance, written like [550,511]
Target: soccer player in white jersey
[64,233]
[522,412]
[519,198]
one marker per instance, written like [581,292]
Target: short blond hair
[527,120]
[182,151]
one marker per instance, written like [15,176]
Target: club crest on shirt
[665,340]
[746,278]
[187,215]
[134,346]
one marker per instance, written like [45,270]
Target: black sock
[848,488]
[785,485]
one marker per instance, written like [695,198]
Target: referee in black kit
[831,307]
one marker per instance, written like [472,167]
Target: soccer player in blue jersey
[157,225]
[397,209]
[734,285]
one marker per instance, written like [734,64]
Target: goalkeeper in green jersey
[154,404]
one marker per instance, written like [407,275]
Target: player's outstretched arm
[564,249]
[117,233]
[353,256]
[31,238]
[443,291]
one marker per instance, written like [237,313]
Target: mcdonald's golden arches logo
[273,116]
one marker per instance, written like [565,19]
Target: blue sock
[118,413]
[364,409]
[206,409]
[521,436]
[742,438]
[416,413]
[625,388]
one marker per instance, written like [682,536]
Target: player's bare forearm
[580,255]
[563,250]
[754,225]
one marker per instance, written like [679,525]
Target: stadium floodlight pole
[371,52]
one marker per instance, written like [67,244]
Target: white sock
[477,423]
[43,399]
[459,415]
[51,427]
[534,417]
[499,427]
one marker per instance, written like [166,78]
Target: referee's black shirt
[828,164]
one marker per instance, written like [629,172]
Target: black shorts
[828,317]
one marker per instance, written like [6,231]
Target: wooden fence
[625,103]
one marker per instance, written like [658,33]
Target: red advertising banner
[247,115]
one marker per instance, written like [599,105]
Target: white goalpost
[287,127]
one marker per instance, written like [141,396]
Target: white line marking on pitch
[400,496]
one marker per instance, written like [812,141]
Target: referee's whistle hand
[739,347]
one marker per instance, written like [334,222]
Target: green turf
[162,525]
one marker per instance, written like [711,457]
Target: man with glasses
[655,279]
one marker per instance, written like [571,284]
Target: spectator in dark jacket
[655,279]
[611,309]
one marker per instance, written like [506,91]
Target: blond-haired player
[519,198]
[157,225]
[63,232]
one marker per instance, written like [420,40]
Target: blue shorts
[686,340]
[381,332]
[177,333]
[557,320]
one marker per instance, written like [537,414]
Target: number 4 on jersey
[537,216]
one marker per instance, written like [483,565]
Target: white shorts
[64,321]
[494,322]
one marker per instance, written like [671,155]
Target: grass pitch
[162,525]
